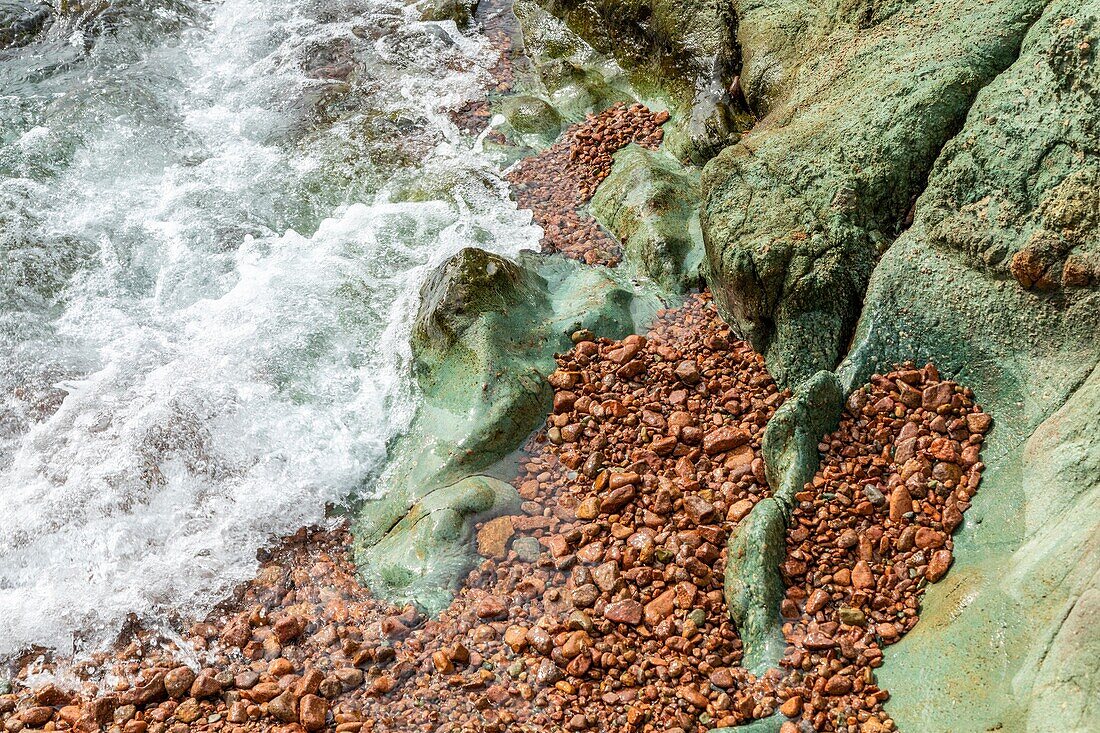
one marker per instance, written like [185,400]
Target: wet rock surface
[20,20]
[684,50]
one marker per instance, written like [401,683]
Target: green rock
[421,558]
[527,549]
[483,344]
[574,77]
[858,101]
[790,439]
[764,725]
[753,585]
[680,50]
[1004,642]
[650,202]
[530,115]
[460,11]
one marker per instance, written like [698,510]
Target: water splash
[215,222]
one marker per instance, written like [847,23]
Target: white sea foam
[206,297]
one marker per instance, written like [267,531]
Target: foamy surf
[208,294]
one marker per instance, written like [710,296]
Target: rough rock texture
[650,202]
[682,49]
[21,19]
[432,541]
[1003,644]
[574,78]
[753,587]
[530,115]
[460,11]
[994,279]
[484,342]
[859,99]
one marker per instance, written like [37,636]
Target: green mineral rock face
[680,50]
[483,342]
[921,182]
[1003,643]
[650,202]
[995,282]
[856,103]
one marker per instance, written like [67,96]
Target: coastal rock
[284,707]
[425,553]
[796,215]
[723,439]
[460,11]
[493,537]
[311,712]
[177,682]
[682,49]
[480,315]
[530,115]
[624,612]
[1031,356]
[650,202]
[20,20]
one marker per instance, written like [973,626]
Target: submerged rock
[422,555]
[20,20]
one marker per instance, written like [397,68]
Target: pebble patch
[557,183]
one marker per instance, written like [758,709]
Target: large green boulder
[858,101]
[483,345]
[650,202]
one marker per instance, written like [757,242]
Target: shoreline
[602,602]
[684,547]
[271,648]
